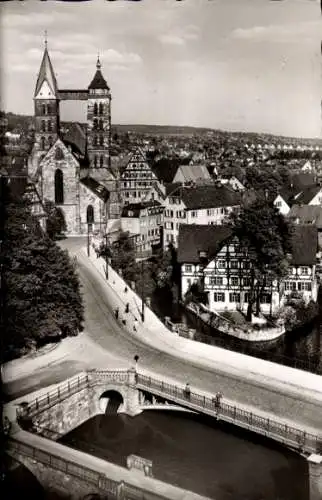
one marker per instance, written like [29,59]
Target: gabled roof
[307,195]
[165,172]
[96,188]
[194,238]
[307,214]
[209,196]
[46,73]
[134,209]
[304,245]
[192,173]
[98,81]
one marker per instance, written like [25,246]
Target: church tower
[98,121]
[46,105]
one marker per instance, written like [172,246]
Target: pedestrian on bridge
[217,400]
[187,391]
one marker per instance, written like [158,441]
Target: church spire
[46,74]
[98,64]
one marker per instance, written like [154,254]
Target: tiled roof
[307,195]
[165,172]
[304,245]
[96,188]
[76,136]
[209,196]
[135,208]
[195,238]
[307,214]
[193,172]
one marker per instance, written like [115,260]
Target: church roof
[96,188]
[46,73]
[98,81]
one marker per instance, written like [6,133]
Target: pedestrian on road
[117,313]
[125,289]
[127,307]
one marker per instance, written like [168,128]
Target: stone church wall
[86,198]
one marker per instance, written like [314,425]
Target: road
[105,344]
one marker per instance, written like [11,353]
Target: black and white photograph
[161,249]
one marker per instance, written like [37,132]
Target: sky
[246,65]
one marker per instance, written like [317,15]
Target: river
[198,454]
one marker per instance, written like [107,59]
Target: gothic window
[90,214]
[95,161]
[101,125]
[101,140]
[95,108]
[50,142]
[59,155]
[42,143]
[95,124]
[44,109]
[102,161]
[59,187]
[43,125]
[101,108]
[49,126]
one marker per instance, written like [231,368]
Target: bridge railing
[63,391]
[114,489]
[71,468]
[103,376]
[269,427]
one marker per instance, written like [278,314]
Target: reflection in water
[300,348]
[198,454]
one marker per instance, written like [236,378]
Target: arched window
[49,126]
[102,161]
[43,125]
[101,108]
[95,108]
[101,125]
[101,140]
[44,109]
[59,187]
[90,214]
[50,142]
[42,143]
[95,161]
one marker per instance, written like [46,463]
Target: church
[73,169]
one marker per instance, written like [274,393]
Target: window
[266,298]
[188,268]
[101,108]
[193,213]
[101,125]
[234,264]
[290,286]
[305,287]
[50,142]
[101,161]
[59,187]
[43,125]
[246,281]
[90,214]
[278,204]
[101,140]
[59,154]
[234,281]
[95,108]
[234,297]
[42,143]
[210,211]
[215,280]
[44,109]
[219,297]
[49,126]
[95,124]
[221,264]
[95,161]
[304,270]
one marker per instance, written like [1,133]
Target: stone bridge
[56,413]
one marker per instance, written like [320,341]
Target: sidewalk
[154,333]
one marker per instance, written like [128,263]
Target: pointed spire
[98,64]
[46,73]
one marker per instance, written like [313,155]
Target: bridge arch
[110,401]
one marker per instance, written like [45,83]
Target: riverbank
[250,333]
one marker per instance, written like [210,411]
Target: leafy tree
[265,241]
[42,300]
[55,222]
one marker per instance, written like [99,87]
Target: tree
[55,222]
[42,301]
[264,237]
